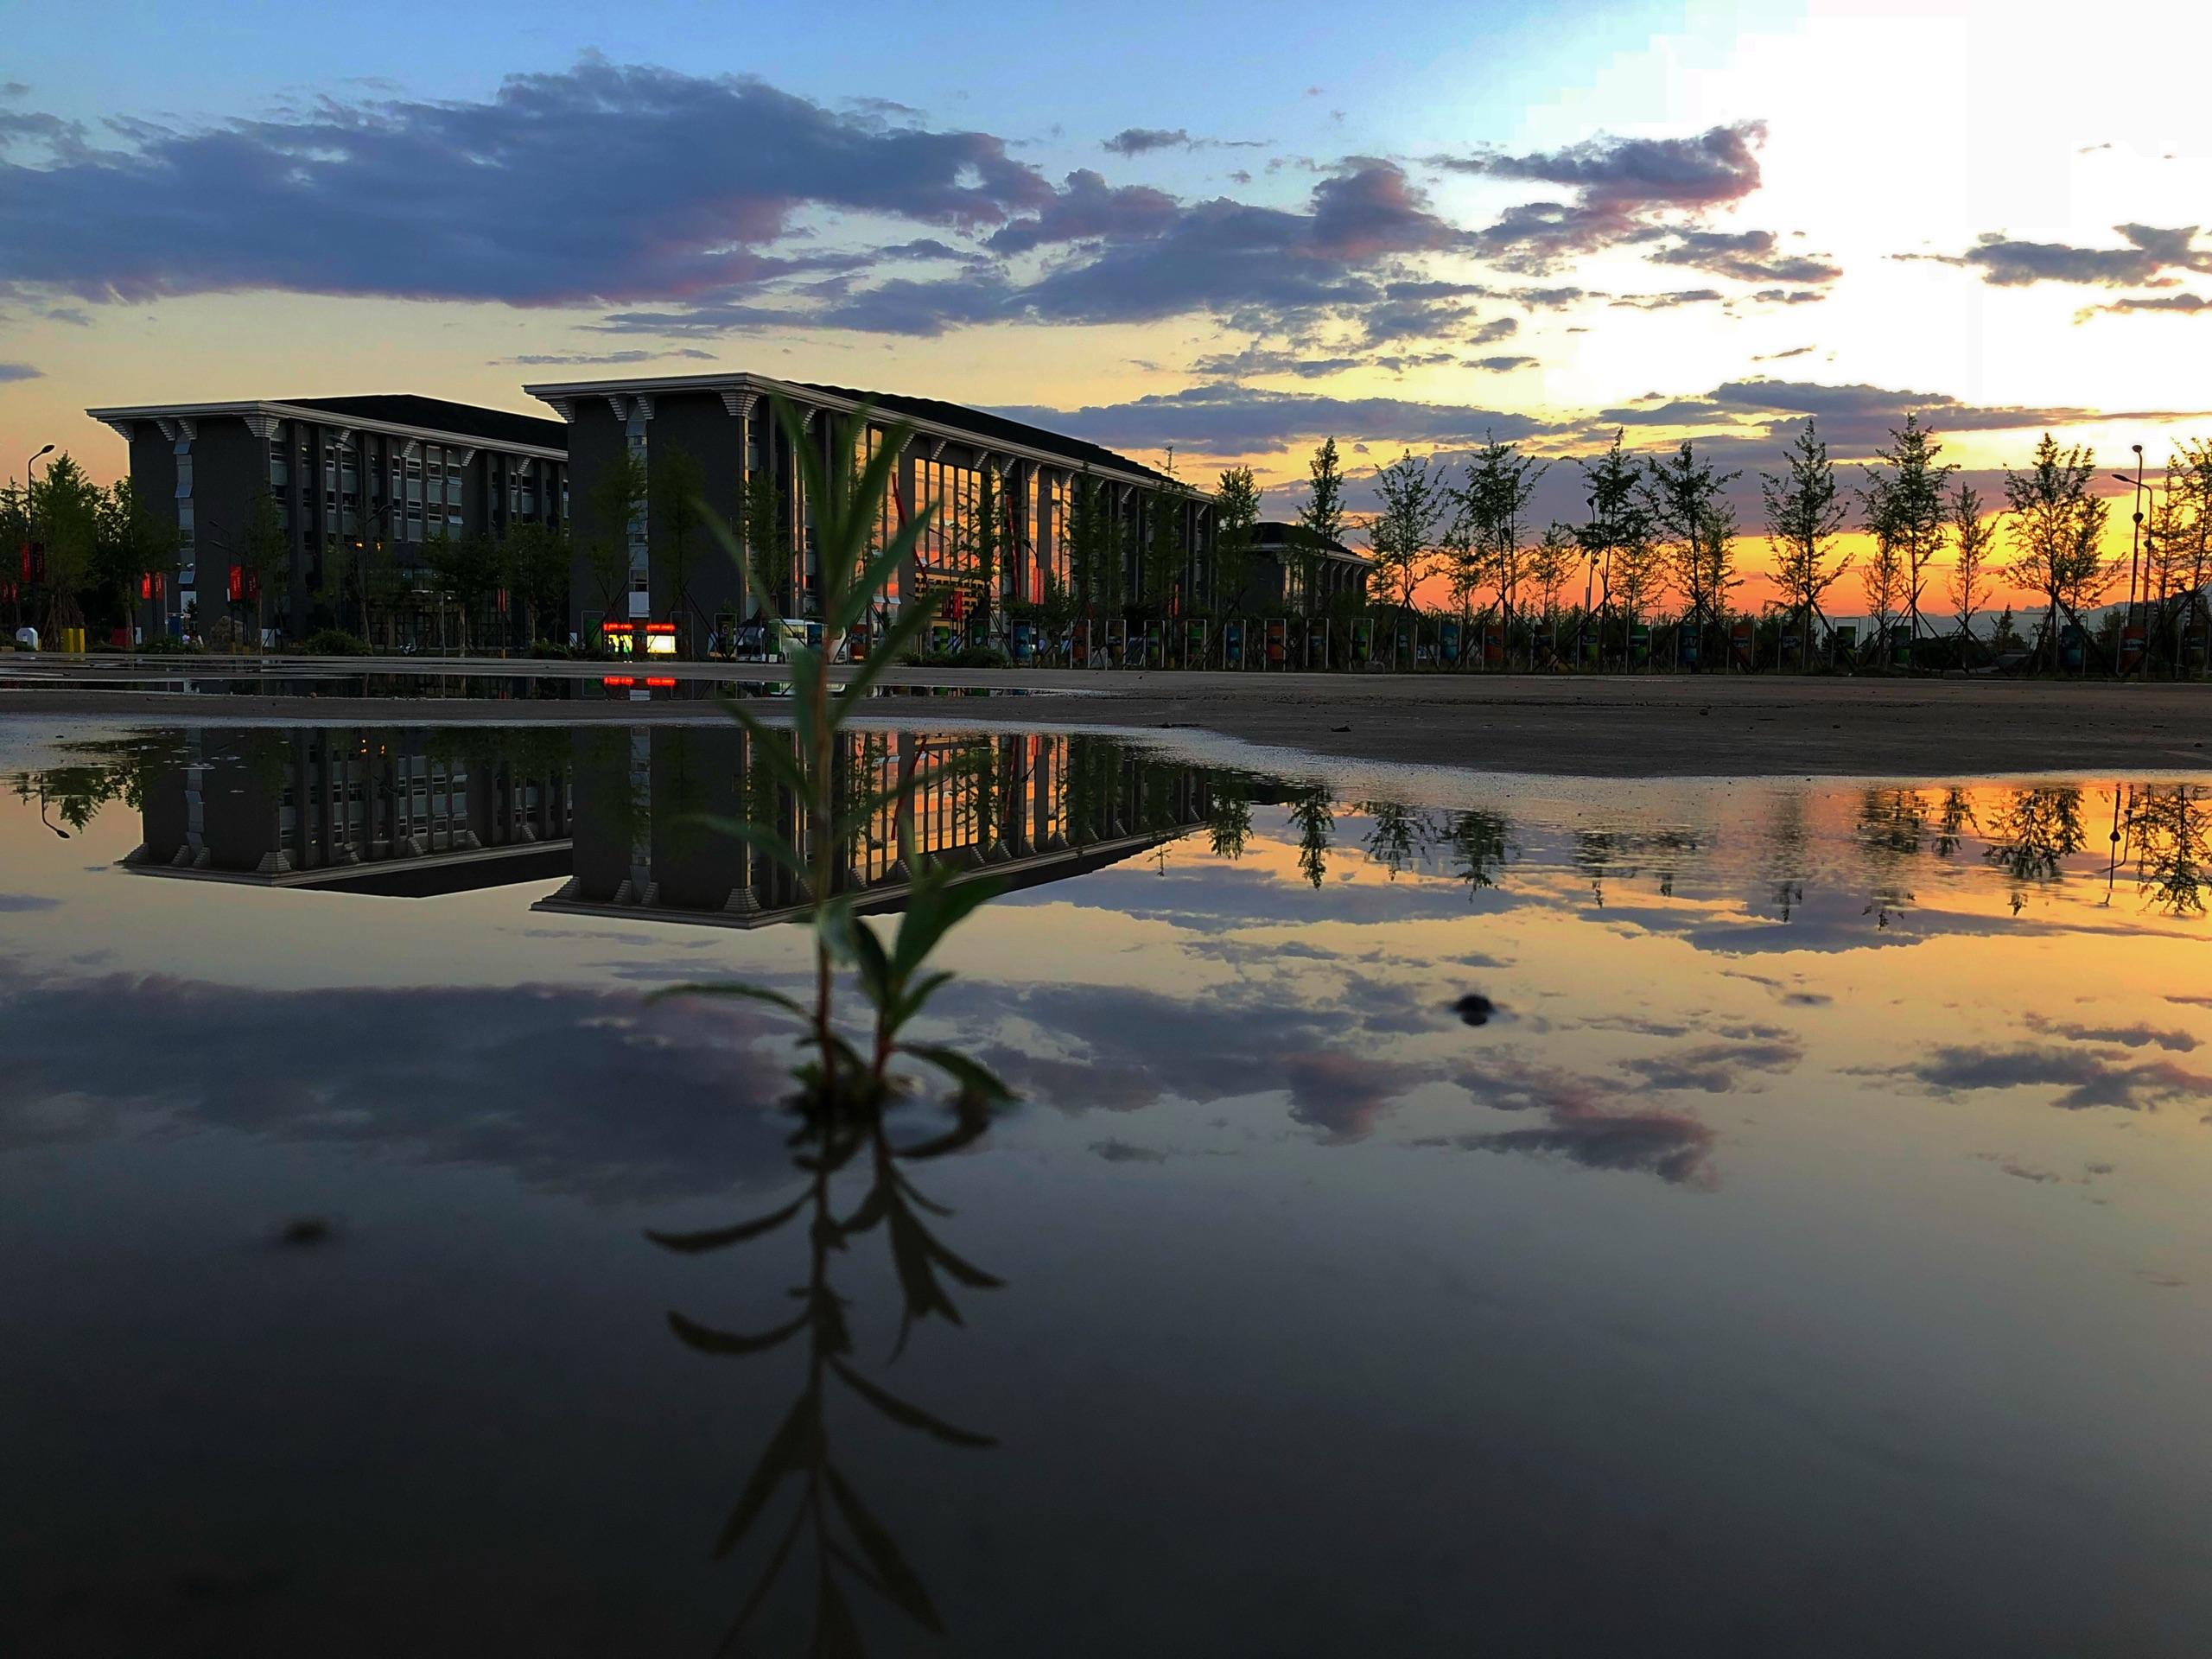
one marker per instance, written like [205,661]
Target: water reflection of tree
[1891,826]
[2167,826]
[1481,843]
[2033,833]
[1785,860]
[1394,835]
[1309,810]
[848,1543]
[1955,821]
[102,771]
[1623,855]
[1228,815]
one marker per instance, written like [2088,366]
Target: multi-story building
[1027,808]
[358,810]
[356,483]
[956,459]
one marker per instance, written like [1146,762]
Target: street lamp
[2134,547]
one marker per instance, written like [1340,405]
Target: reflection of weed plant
[847,1088]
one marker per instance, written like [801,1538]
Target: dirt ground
[1611,726]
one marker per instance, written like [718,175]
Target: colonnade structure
[955,459]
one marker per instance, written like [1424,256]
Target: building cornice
[562,396]
[119,417]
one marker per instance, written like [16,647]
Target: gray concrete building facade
[347,474]
[727,425]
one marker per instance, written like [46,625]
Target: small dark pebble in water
[304,1230]
[1474,1009]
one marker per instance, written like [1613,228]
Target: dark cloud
[1499,364]
[1342,1094]
[1789,297]
[2186,305]
[19,902]
[683,178]
[1227,418]
[1779,357]
[1123,1152]
[547,359]
[1137,141]
[1668,301]
[1749,255]
[1271,359]
[19,371]
[2135,1036]
[1086,207]
[1623,190]
[2151,251]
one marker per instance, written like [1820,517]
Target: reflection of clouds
[2084,1077]
[574,1091]
[20,902]
[1583,1124]
[1715,1068]
[1124,1152]
[1342,1094]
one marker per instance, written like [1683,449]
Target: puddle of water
[1778,1203]
[634,684]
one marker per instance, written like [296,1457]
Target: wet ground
[1531,1217]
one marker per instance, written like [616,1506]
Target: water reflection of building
[364,810]
[1027,807]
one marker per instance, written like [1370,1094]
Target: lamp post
[2134,548]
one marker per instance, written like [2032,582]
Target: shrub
[968,657]
[335,642]
[551,651]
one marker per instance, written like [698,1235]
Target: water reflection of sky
[1807,1256]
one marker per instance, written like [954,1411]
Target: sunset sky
[1234,229]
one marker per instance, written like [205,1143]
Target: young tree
[131,544]
[1086,532]
[1685,500]
[1619,526]
[1908,499]
[1236,519]
[1975,537]
[1882,577]
[1403,534]
[264,557]
[466,567]
[63,508]
[1323,515]
[2058,533]
[766,550]
[678,510]
[1804,512]
[986,539]
[534,561]
[1501,482]
[1163,547]
[616,498]
[1551,563]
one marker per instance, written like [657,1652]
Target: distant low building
[356,482]
[1289,560]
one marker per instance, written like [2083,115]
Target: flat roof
[929,416]
[399,413]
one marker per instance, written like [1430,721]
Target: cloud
[1749,255]
[1499,364]
[1779,357]
[18,903]
[1122,1152]
[519,1078]
[1228,418]
[2135,1036]
[684,181]
[2084,1078]
[1715,1068]
[1584,1125]
[2186,305]
[19,371]
[1086,207]
[1624,190]
[544,360]
[1137,141]
[2004,261]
